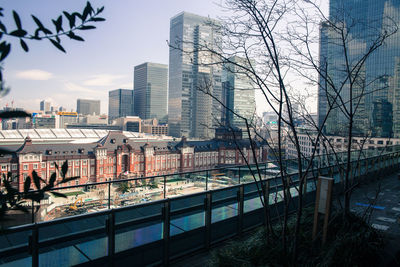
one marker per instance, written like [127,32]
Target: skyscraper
[88,107]
[375,86]
[45,105]
[151,90]
[238,95]
[120,103]
[191,112]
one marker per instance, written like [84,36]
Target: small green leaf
[36,180]
[97,19]
[64,168]
[40,25]
[17,19]
[76,14]
[99,10]
[52,180]
[27,184]
[75,37]
[87,27]
[18,33]
[70,18]
[88,10]
[38,22]
[58,24]
[57,45]
[3,27]
[4,50]
[24,45]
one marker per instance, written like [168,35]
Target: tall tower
[238,95]
[45,105]
[151,90]
[375,89]
[190,111]
[120,103]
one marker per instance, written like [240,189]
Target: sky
[134,32]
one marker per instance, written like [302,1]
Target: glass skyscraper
[151,90]
[376,84]
[88,106]
[191,112]
[238,94]
[120,103]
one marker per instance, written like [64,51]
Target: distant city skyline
[104,61]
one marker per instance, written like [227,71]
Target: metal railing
[158,231]
[95,197]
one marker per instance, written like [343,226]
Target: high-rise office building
[151,90]
[120,103]
[376,85]
[45,105]
[190,111]
[238,95]
[88,107]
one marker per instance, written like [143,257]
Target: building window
[14,167]
[25,167]
[76,172]
[43,165]
[3,167]
[77,182]
[91,170]
[84,172]
[44,175]
[35,166]
[84,162]
[92,161]
[101,161]
[25,176]
[101,170]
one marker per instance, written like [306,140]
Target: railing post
[266,201]
[166,231]
[33,211]
[239,175]
[110,227]
[240,209]
[208,210]
[165,186]
[207,175]
[109,195]
[34,246]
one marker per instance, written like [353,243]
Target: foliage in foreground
[11,198]
[351,242]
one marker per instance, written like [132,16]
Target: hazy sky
[135,31]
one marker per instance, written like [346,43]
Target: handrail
[163,216]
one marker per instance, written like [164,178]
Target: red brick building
[116,155]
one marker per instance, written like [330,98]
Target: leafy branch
[76,22]
[11,198]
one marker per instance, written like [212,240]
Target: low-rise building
[116,155]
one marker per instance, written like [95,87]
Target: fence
[156,232]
